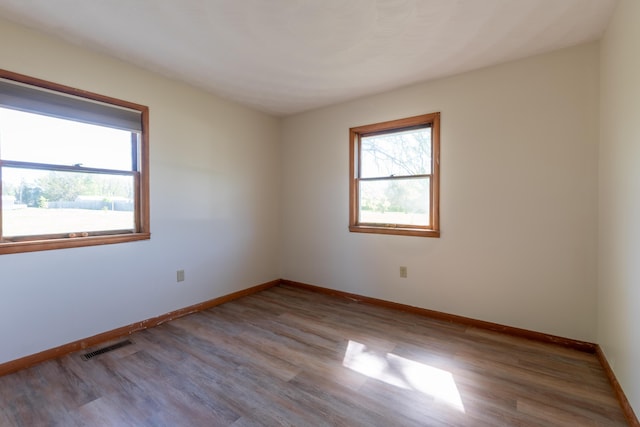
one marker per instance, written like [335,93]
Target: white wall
[215,171]
[518,205]
[619,199]
[518,197]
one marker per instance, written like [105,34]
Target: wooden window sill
[71,242]
[400,231]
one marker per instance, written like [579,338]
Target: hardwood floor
[287,356]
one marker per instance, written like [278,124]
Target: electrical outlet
[180,276]
[403,272]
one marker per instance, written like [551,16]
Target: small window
[394,177]
[73,167]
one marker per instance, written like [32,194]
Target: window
[394,177]
[73,167]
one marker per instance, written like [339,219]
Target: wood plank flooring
[290,357]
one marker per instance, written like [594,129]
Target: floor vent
[106,349]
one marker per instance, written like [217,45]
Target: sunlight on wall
[403,373]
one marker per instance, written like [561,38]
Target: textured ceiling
[288,56]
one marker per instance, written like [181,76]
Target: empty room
[319,213]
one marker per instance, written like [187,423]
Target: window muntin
[394,177]
[73,167]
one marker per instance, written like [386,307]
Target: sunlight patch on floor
[403,373]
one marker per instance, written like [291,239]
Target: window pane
[38,202]
[34,138]
[395,201]
[400,154]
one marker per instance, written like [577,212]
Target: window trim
[141,179]
[355,134]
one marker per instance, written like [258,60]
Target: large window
[73,167]
[394,177]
